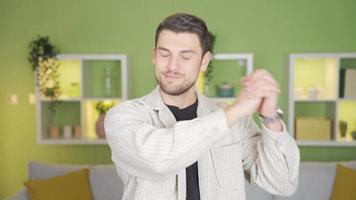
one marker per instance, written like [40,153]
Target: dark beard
[178,91]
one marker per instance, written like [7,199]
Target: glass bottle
[108,81]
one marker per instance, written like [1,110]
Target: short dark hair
[186,23]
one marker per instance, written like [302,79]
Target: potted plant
[102,107]
[44,63]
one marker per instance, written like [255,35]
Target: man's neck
[181,101]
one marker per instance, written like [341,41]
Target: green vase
[353,134]
[342,128]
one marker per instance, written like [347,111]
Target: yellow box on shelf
[313,128]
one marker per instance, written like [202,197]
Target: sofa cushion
[344,185]
[37,170]
[315,181]
[105,182]
[71,186]
[254,192]
[19,195]
[350,164]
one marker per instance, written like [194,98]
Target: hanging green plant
[209,71]
[43,59]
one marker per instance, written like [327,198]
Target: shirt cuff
[278,137]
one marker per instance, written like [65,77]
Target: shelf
[347,81]
[66,114]
[103,98]
[226,72]
[315,99]
[315,78]
[72,141]
[347,99]
[226,99]
[347,110]
[83,83]
[315,109]
[62,98]
[227,68]
[326,143]
[222,101]
[69,78]
[107,75]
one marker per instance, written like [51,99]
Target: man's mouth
[172,75]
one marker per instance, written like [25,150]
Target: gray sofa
[315,181]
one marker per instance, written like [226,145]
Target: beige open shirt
[151,151]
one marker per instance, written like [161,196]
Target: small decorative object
[108,82]
[102,107]
[43,59]
[226,90]
[77,131]
[74,90]
[353,134]
[54,132]
[299,93]
[67,131]
[313,93]
[209,71]
[342,128]
[99,126]
[321,92]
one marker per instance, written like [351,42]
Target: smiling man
[174,143]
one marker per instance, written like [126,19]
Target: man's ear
[205,61]
[154,55]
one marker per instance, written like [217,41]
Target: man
[174,143]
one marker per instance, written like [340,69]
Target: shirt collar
[155,101]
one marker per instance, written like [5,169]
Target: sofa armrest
[20,195]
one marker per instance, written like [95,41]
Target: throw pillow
[344,184]
[71,186]
[38,170]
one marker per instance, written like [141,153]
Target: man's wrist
[274,121]
[276,115]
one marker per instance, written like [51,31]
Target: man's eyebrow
[162,48]
[189,51]
[183,51]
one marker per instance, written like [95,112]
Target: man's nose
[173,63]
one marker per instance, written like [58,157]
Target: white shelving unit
[82,80]
[242,60]
[320,71]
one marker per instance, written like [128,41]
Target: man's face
[178,60]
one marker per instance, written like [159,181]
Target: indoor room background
[270,30]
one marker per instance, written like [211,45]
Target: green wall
[268,29]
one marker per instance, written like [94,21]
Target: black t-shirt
[189,113]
